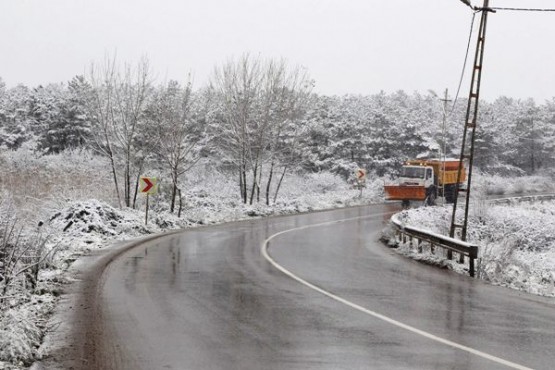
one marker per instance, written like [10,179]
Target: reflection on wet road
[207,298]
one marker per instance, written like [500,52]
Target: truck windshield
[413,172]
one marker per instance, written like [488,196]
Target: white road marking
[264,250]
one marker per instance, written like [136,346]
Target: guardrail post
[472,255]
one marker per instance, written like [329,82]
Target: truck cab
[417,176]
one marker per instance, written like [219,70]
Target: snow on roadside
[81,226]
[517,242]
[497,185]
[78,227]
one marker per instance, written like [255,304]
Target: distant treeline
[260,120]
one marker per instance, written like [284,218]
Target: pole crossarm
[483,8]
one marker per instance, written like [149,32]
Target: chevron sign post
[147,185]
[361,174]
[360,180]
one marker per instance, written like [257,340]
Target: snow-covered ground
[55,208]
[69,206]
[516,238]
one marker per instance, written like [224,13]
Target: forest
[259,120]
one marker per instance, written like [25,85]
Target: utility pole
[467,148]
[443,149]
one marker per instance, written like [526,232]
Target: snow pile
[83,226]
[87,217]
[92,217]
[517,242]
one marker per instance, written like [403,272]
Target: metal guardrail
[407,233]
[464,249]
[526,198]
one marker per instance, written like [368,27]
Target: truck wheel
[405,204]
[450,193]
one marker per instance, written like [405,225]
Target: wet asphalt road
[207,299]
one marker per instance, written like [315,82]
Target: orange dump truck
[425,180]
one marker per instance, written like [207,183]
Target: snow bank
[517,242]
[94,218]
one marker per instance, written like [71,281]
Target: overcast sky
[348,46]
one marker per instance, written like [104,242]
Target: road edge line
[264,251]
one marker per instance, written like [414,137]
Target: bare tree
[258,99]
[290,91]
[237,85]
[116,107]
[179,131]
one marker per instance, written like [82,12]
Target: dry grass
[37,184]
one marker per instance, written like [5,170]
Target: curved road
[328,295]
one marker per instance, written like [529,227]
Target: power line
[476,10]
[524,9]
[465,60]
[493,8]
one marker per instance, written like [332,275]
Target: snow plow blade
[398,192]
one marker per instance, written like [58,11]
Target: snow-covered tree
[14,117]
[57,116]
[256,99]
[116,109]
[179,128]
